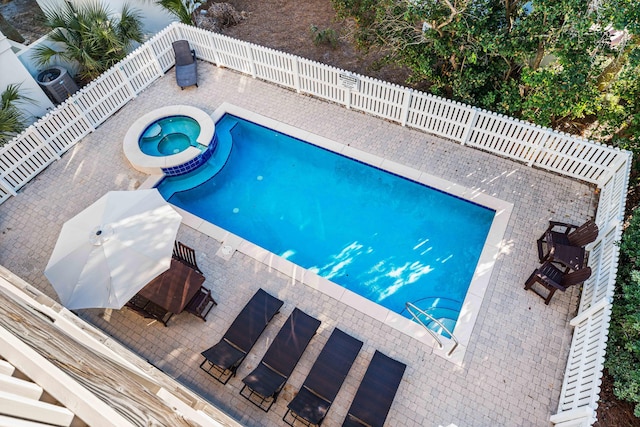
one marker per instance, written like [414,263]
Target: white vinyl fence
[608,168]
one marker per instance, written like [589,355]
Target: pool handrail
[409,306]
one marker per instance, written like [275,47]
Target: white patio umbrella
[112,249]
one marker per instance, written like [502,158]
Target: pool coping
[154,164]
[481,277]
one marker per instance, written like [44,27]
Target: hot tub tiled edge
[154,165]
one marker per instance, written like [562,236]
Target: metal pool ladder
[411,307]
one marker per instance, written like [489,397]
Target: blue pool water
[384,237]
[169,135]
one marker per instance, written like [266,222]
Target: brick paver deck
[513,367]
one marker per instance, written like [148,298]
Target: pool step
[445,311]
[446,318]
[209,169]
[437,323]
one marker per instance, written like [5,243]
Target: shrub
[623,350]
[328,36]
[90,35]
[12,119]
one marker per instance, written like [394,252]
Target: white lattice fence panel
[581,385]
[63,127]
[575,157]
[274,66]
[508,137]
[40,144]
[232,53]
[321,80]
[4,194]
[106,95]
[23,158]
[614,192]
[439,116]
[201,41]
[141,68]
[383,99]
[161,47]
[603,260]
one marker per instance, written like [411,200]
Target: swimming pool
[384,237]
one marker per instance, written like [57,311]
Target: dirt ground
[25,16]
[285,25]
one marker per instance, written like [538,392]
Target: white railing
[608,168]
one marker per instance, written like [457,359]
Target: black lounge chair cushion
[223,354]
[283,354]
[377,390]
[309,406]
[291,341]
[333,364]
[245,329]
[186,65]
[264,381]
[326,377]
[254,317]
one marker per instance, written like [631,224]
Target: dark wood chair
[201,303]
[148,309]
[137,301]
[186,255]
[553,279]
[565,243]
[154,311]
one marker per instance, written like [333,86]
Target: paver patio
[513,367]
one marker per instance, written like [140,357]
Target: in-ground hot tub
[171,140]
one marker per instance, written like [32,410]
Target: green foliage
[623,347]
[542,60]
[12,121]
[184,10]
[90,35]
[328,36]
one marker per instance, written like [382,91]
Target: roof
[58,370]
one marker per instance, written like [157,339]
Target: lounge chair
[373,399]
[566,246]
[186,65]
[262,386]
[321,386]
[553,279]
[222,360]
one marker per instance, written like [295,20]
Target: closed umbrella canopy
[112,249]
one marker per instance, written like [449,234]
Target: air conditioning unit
[57,83]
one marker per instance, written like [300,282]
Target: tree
[623,346]
[538,60]
[12,120]
[91,36]
[620,78]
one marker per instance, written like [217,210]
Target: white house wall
[12,71]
